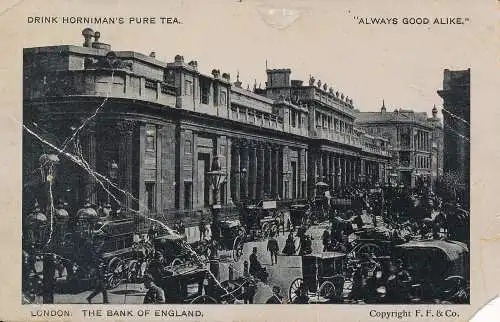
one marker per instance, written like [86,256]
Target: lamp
[113,174]
[113,170]
[216,176]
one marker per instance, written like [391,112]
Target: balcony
[110,83]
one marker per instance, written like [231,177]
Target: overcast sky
[400,63]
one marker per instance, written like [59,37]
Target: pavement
[281,274]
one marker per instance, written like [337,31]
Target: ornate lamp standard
[47,163]
[216,177]
[113,175]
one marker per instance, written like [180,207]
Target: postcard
[195,161]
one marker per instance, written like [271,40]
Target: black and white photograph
[157,178]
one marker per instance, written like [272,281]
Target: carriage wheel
[242,232]
[265,230]
[327,290]
[204,299]
[116,273]
[368,249]
[133,270]
[294,287]
[274,230]
[176,261]
[455,286]
[237,248]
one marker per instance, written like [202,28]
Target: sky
[401,64]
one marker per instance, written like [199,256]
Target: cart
[233,237]
[440,263]
[323,276]
[263,219]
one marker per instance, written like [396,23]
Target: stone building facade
[161,124]
[456,123]
[415,141]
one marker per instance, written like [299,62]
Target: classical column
[338,167]
[125,163]
[327,166]
[253,167]
[320,165]
[332,171]
[89,146]
[260,172]
[245,162]
[276,172]
[236,156]
[268,174]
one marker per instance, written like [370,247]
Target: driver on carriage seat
[256,268]
[154,295]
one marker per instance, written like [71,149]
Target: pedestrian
[202,225]
[100,284]
[273,248]
[289,248]
[249,290]
[326,240]
[302,297]
[154,295]
[276,298]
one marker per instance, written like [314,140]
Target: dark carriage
[173,248]
[233,237]
[263,219]
[299,214]
[440,269]
[91,240]
[323,277]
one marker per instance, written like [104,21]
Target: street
[282,274]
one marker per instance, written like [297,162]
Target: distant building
[414,140]
[151,132]
[456,124]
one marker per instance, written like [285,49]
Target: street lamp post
[113,175]
[216,176]
[47,163]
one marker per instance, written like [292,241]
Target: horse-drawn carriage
[263,219]
[227,235]
[195,284]
[440,270]
[323,277]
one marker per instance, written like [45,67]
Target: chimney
[99,45]
[87,33]
[152,54]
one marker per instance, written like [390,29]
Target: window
[188,147]
[150,196]
[293,116]
[223,98]
[205,90]
[150,139]
[188,87]
[188,187]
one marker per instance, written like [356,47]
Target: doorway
[203,186]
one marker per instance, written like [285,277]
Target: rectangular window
[205,90]
[188,147]
[293,116]
[188,188]
[150,196]
[188,87]
[223,97]
[150,138]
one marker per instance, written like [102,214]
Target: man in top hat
[154,295]
[276,298]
